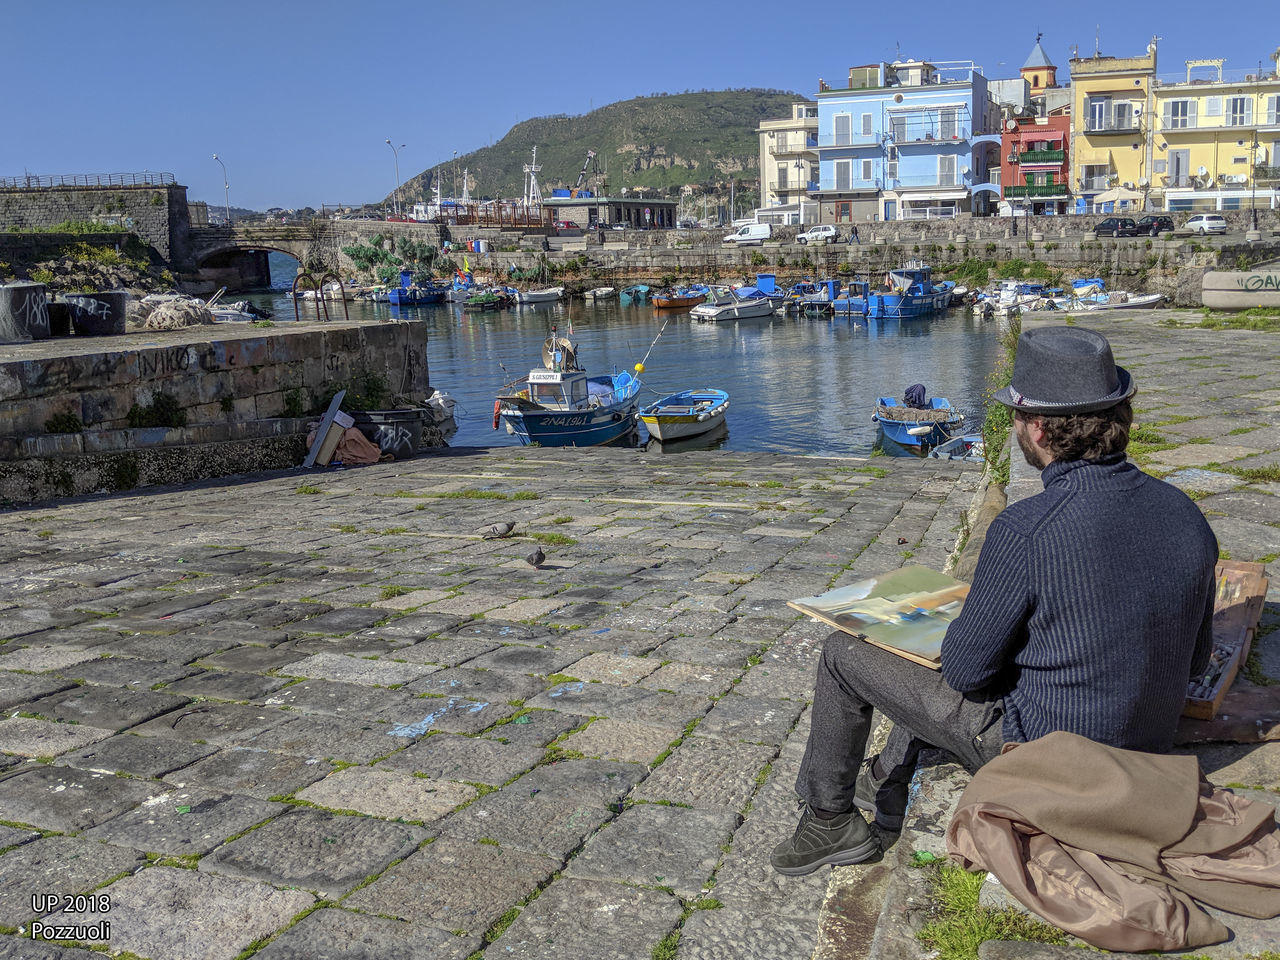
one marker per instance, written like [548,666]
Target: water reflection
[796,385]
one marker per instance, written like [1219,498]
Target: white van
[752,233]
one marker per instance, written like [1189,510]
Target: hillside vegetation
[663,142]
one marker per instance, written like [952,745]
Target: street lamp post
[226,190]
[395,197]
[455,175]
[800,192]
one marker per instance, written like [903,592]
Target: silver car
[1203,223]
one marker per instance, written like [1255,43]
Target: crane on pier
[582,174]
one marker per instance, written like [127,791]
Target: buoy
[639,368]
[497,413]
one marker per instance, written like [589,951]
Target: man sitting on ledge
[1091,607]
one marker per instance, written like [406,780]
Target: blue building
[907,140]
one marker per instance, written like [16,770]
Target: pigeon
[535,559]
[901,541]
[498,531]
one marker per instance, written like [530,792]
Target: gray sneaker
[884,798]
[840,841]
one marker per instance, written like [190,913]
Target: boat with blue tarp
[909,291]
[560,406]
[917,420]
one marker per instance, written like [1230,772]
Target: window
[811,113]
[1179,114]
[898,126]
[947,129]
[1239,111]
[1213,107]
[782,176]
[844,211]
[844,174]
[1273,110]
[891,163]
[866,124]
[1160,166]
[947,171]
[843,132]
[1123,112]
[866,170]
[1098,110]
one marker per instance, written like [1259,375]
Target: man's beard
[1029,453]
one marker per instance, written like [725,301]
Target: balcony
[933,182]
[1095,183]
[786,146]
[855,186]
[1130,126]
[1042,156]
[926,133]
[1036,190]
[848,140]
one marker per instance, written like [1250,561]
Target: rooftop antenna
[1097,32]
[1039,34]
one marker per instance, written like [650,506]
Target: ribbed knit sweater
[1091,607]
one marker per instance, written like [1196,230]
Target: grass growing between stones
[960,925]
[1256,474]
[999,418]
[559,539]
[1255,318]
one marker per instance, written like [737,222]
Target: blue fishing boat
[930,423]
[909,291]
[685,414]
[636,293]
[561,406]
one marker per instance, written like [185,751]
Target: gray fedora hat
[1064,370]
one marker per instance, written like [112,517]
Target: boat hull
[894,306]
[927,432]
[686,414]
[573,428]
[742,310]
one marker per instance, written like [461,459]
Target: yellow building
[1110,142]
[1216,138]
[789,166]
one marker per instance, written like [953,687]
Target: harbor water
[796,385]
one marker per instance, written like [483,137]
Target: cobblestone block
[28,737]
[69,800]
[528,821]
[146,757]
[217,723]
[127,672]
[488,685]
[516,658]
[330,666]
[387,794]
[712,651]
[225,685]
[184,822]
[109,708]
[614,669]
[622,740]
[334,934]
[317,851]
[456,885]
[691,678]
[447,756]
[707,774]
[657,846]
[770,680]
[753,719]
[534,728]
[624,703]
[186,915]
[578,920]
[56,866]
[332,738]
[252,771]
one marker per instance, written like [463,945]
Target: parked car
[1203,223]
[1154,226]
[819,233]
[1116,227]
[751,233]
[567,225]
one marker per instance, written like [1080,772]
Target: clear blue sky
[298,98]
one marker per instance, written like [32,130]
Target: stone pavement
[1213,400]
[297,716]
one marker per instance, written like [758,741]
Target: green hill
[663,142]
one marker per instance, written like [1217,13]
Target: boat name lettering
[1260,281]
[567,421]
[544,376]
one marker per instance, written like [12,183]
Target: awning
[1118,195]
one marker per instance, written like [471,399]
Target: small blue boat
[685,414]
[637,292]
[909,291]
[562,407]
[909,426]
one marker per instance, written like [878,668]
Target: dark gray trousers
[855,678]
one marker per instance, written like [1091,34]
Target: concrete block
[106,405]
[215,386]
[245,408]
[269,404]
[53,445]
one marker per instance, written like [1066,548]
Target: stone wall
[243,375]
[156,213]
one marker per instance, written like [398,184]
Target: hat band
[1024,401]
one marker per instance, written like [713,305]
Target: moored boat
[685,414]
[599,293]
[680,298]
[726,304]
[638,292]
[562,407]
[548,295]
[968,447]
[909,291]
[914,426]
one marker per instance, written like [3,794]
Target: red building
[1034,164]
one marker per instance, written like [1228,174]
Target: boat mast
[532,192]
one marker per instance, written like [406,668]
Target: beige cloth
[353,450]
[1116,846]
